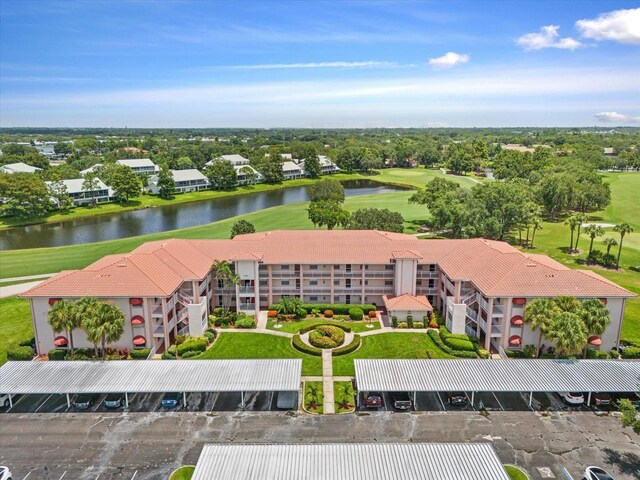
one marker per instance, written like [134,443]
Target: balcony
[378,274]
[316,273]
[420,290]
[203,287]
[248,290]
[247,306]
[157,311]
[498,310]
[426,274]
[470,330]
[326,289]
[285,289]
[158,331]
[170,303]
[448,285]
[347,274]
[284,273]
[472,314]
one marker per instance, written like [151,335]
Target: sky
[165,63]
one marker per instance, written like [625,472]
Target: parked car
[401,401]
[5,473]
[113,400]
[601,399]
[596,473]
[457,399]
[83,401]
[572,398]
[171,400]
[374,400]
[4,401]
[286,400]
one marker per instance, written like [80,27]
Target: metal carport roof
[519,375]
[351,461]
[150,376]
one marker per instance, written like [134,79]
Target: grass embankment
[260,345]
[183,473]
[145,201]
[15,323]
[313,397]
[295,326]
[389,345]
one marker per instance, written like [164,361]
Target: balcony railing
[498,310]
[157,311]
[472,314]
[170,303]
[285,274]
[316,273]
[247,306]
[345,274]
[158,331]
[250,290]
[470,330]
[448,285]
[203,287]
[425,290]
[285,289]
[426,274]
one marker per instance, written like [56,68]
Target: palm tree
[105,326]
[536,223]
[595,317]
[573,222]
[622,229]
[567,304]
[63,317]
[581,218]
[223,272]
[539,314]
[610,242]
[593,231]
[568,332]
[86,309]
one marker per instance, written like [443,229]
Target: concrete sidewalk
[327,382]
[13,290]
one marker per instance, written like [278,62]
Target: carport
[520,375]
[150,376]
[349,461]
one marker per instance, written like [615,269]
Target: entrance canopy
[520,375]
[351,461]
[150,376]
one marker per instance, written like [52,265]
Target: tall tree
[573,222]
[569,333]
[536,224]
[105,326]
[326,190]
[539,314]
[221,174]
[329,214]
[311,161]
[90,183]
[86,308]
[60,195]
[63,317]
[166,184]
[376,219]
[609,243]
[24,195]
[125,183]
[224,274]
[567,304]
[622,229]
[242,227]
[581,218]
[595,316]
[593,231]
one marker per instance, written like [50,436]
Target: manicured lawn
[313,393]
[260,345]
[515,473]
[389,345]
[183,473]
[344,395]
[418,177]
[295,326]
[15,323]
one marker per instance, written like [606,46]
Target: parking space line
[494,396]
[134,474]
[16,403]
[62,476]
[40,406]
[26,476]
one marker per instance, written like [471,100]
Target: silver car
[596,473]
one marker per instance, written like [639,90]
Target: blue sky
[319,64]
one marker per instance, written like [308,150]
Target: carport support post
[242,399]
[589,400]
[126,400]
[473,396]
[184,399]
[530,399]
[10,401]
[68,401]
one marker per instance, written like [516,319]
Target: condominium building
[480,286]
[140,165]
[77,190]
[190,180]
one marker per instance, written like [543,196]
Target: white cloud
[620,26]
[449,60]
[547,37]
[279,66]
[615,117]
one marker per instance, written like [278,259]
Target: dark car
[171,400]
[401,401]
[457,399]
[113,400]
[374,400]
[83,401]
[601,399]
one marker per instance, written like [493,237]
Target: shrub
[372,314]
[196,344]
[57,354]
[459,344]
[517,354]
[410,321]
[222,322]
[438,317]
[631,352]
[212,331]
[464,354]
[140,353]
[614,354]
[217,311]
[336,308]
[180,339]
[87,352]
[425,319]
[597,354]
[326,336]
[482,353]
[29,342]
[418,325]
[314,325]
[190,354]
[173,349]
[328,313]
[210,337]
[433,324]
[346,349]
[299,345]
[247,322]
[168,356]
[394,321]
[435,336]
[356,313]
[79,356]
[272,314]
[17,352]
[402,325]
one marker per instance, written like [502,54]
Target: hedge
[326,336]
[435,336]
[597,354]
[459,344]
[409,321]
[614,354]
[356,313]
[140,353]
[346,349]
[482,353]
[198,344]
[247,322]
[57,354]
[299,345]
[418,324]
[629,352]
[394,321]
[314,325]
[337,308]
[402,325]
[168,356]
[190,354]
[29,342]
[516,354]
[16,352]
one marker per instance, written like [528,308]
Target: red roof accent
[517,320]
[407,302]
[519,301]
[53,301]
[137,320]
[515,340]
[595,340]
[139,340]
[135,301]
[603,300]
[60,341]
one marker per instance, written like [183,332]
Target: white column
[530,399]
[68,401]
[256,288]
[473,396]
[242,399]
[184,399]
[487,337]
[126,400]
[589,400]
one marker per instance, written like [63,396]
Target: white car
[5,473]
[4,402]
[596,473]
[572,398]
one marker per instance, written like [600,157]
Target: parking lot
[146,402]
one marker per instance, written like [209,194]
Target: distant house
[190,180]
[242,177]
[292,170]
[327,166]
[81,196]
[234,159]
[91,169]
[140,165]
[609,152]
[19,167]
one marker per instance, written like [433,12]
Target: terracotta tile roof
[406,302]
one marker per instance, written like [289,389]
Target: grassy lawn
[418,177]
[183,473]
[260,345]
[153,201]
[313,393]
[295,326]
[15,323]
[389,345]
[515,473]
[344,397]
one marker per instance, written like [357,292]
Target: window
[388,267]
[285,282]
[432,282]
[336,267]
[313,282]
[348,267]
[336,282]
[313,299]
[347,283]
[366,282]
[432,267]
[284,267]
[313,267]
[388,283]
[418,282]
[366,267]
[220,283]
[347,299]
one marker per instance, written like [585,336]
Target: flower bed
[326,336]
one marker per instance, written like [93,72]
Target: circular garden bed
[326,336]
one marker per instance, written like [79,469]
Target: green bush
[459,344]
[87,352]
[631,352]
[210,337]
[16,352]
[173,349]
[482,353]
[180,339]
[517,354]
[350,347]
[464,354]
[213,331]
[356,313]
[190,354]
[394,321]
[217,311]
[29,342]
[314,325]
[402,325]
[409,321]
[168,356]
[435,336]
[614,354]
[80,356]
[336,308]
[140,353]
[247,322]
[418,324]
[196,344]
[597,354]
[425,319]
[326,336]
[57,354]
[299,345]
[529,350]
